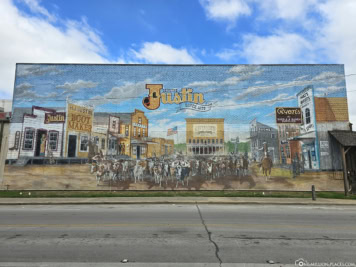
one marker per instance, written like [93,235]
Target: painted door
[41,143]
[72,146]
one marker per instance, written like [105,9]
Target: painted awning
[345,138]
[142,142]
[310,135]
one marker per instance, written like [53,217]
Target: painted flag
[172,131]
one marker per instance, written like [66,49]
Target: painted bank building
[129,127]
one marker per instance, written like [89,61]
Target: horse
[266,165]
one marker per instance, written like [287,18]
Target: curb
[166,202]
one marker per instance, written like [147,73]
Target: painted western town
[201,127]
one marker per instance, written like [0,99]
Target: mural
[196,127]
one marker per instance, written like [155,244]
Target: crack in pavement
[209,235]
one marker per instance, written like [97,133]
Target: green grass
[90,194]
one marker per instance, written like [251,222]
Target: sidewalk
[176,200]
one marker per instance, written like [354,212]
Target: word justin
[169,96]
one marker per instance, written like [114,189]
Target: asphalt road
[177,234]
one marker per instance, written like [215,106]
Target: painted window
[143,132]
[114,124]
[53,140]
[84,143]
[134,134]
[28,138]
[139,132]
[134,150]
[139,120]
[307,116]
[126,130]
[143,150]
[103,143]
[17,140]
[112,144]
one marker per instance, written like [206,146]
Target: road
[154,234]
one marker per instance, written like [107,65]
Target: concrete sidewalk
[175,200]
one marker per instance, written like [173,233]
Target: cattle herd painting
[176,127]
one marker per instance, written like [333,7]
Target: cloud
[286,9]
[243,72]
[118,94]
[278,48]
[36,8]
[327,90]
[25,94]
[233,105]
[328,78]
[76,86]
[36,70]
[33,38]
[225,10]
[156,52]
[23,87]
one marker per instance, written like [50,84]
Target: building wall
[206,135]
[6,104]
[208,105]
[159,147]
[330,155]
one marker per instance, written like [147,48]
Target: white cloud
[233,105]
[75,86]
[327,90]
[244,73]
[225,10]
[118,94]
[276,49]
[286,9]
[156,52]
[35,7]
[326,78]
[26,38]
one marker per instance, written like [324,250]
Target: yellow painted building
[159,147]
[133,134]
[79,123]
[205,136]
[99,138]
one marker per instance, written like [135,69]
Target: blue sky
[178,32]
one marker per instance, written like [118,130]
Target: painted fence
[204,127]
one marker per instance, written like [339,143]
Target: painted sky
[179,32]
[237,93]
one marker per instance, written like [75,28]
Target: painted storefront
[83,126]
